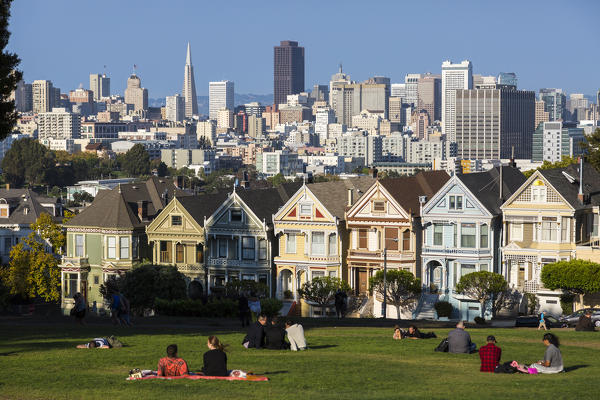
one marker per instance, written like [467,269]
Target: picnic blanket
[248,377]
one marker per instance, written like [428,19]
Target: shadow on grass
[273,372]
[574,367]
[323,346]
[9,353]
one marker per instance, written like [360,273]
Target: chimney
[142,210]
[350,197]
[580,195]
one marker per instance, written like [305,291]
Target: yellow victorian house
[552,217]
[312,237]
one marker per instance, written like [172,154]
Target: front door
[435,278]
[362,281]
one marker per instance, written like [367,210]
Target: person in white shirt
[97,343]
[295,334]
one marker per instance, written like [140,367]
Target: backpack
[443,346]
[114,342]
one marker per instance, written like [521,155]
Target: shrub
[270,307]
[443,309]
[479,321]
[532,302]
[288,294]
[249,288]
[566,303]
[214,308]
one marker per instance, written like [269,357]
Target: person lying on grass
[215,359]
[414,333]
[552,362]
[398,333]
[171,365]
[98,343]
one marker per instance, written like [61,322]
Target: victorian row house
[384,227]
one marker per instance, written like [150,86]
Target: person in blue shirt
[542,322]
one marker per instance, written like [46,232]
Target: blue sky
[547,43]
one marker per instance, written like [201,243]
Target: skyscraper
[288,70]
[555,103]
[175,108]
[23,97]
[507,78]
[411,81]
[220,96]
[43,96]
[189,86]
[100,85]
[454,76]
[429,93]
[135,94]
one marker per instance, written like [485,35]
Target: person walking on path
[542,322]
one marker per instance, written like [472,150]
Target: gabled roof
[407,189]
[334,194]
[266,202]
[202,206]
[20,199]
[485,186]
[569,190]
[108,210]
[156,191]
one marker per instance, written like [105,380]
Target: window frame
[290,243]
[236,211]
[303,212]
[551,230]
[124,247]
[391,238]
[363,234]
[220,243]
[482,236]
[248,251]
[79,247]
[262,249]
[320,246]
[440,233]
[406,239]
[473,236]
[516,236]
[176,220]
[332,244]
[179,253]
[374,207]
[111,249]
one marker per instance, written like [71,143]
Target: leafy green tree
[277,180]
[565,162]
[485,287]
[9,75]
[578,277]
[321,291]
[28,161]
[592,147]
[136,162]
[49,230]
[161,169]
[403,289]
[82,197]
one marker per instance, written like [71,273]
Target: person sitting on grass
[585,323]
[215,359]
[98,343]
[490,355]
[414,333]
[275,336]
[295,334]
[552,362]
[171,365]
[459,341]
[256,334]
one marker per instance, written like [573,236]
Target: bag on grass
[443,346]
[114,342]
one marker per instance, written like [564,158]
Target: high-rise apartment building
[59,124]
[429,93]
[411,82]
[82,101]
[552,141]
[375,93]
[348,99]
[175,108]
[577,106]
[491,123]
[43,96]
[507,78]
[288,71]
[398,90]
[206,132]
[23,97]
[100,86]
[224,120]
[135,94]
[454,77]
[220,95]
[555,103]
[540,114]
[256,126]
[189,86]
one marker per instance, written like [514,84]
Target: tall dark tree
[29,162]
[136,162]
[9,75]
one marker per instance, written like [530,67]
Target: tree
[277,180]
[579,277]
[403,289]
[28,161]
[136,162]
[32,271]
[321,291]
[9,75]
[485,287]
[161,169]
[592,147]
[82,197]
[565,162]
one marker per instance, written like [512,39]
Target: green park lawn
[40,361]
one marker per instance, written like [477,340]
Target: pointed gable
[406,190]
[108,210]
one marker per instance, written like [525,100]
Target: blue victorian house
[462,234]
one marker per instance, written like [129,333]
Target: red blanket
[253,378]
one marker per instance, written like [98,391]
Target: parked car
[533,321]
[571,320]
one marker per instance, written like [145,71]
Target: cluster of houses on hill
[435,226]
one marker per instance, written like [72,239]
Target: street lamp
[384,303]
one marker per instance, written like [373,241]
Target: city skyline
[159,59]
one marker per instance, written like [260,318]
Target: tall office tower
[254,108]
[224,120]
[206,132]
[175,108]
[577,105]
[374,95]
[323,118]
[320,93]
[552,141]
[288,71]
[59,124]
[100,86]
[429,93]
[135,94]
[412,81]
[555,103]
[454,76]
[43,96]
[540,114]
[256,126]
[490,123]
[82,101]
[507,78]
[220,95]
[398,90]
[395,112]
[484,82]
[189,86]
[23,97]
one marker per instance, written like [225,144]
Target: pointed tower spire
[188,57]
[189,86]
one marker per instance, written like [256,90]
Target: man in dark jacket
[275,336]
[256,334]
[585,322]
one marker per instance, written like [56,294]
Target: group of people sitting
[215,361]
[411,333]
[272,336]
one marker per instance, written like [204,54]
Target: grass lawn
[39,361]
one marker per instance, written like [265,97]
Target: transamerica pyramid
[189,86]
